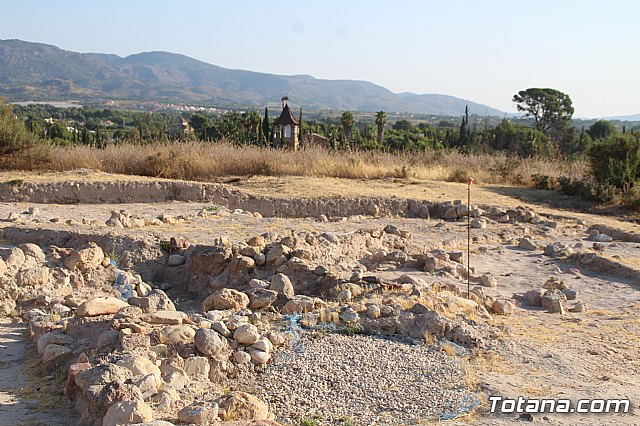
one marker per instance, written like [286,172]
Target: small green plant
[264,169]
[459,175]
[113,255]
[212,208]
[165,246]
[543,182]
[353,329]
[319,334]
[15,182]
[309,422]
[347,421]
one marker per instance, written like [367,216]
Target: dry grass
[206,161]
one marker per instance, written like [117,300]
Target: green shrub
[615,161]
[14,137]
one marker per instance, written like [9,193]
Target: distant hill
[635,117]
[34,71]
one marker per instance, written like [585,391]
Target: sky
[481,50]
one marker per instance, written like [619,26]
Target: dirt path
[20,404]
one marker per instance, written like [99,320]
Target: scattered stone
[349,315]
[580,307]
[503,307]
[100,306]
[527,243]
[282,284]
[259,357]
[554,301]
[85,259]
[298,305]
[127,412]
[176,260]
[487,280]
[197,367]
[226,298]
[570,293]
[177,335]
[199,413]
[139,365]
[241,357]
[243,406]
[261,298]
[209,342]
[246,334]
[164,317]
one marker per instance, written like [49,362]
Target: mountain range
[35,72]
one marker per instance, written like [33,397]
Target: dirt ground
[574,356]
[21,391]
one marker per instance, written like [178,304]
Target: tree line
[544,130]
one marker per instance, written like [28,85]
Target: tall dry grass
[203,161]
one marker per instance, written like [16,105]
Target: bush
[14,137]
[616,161]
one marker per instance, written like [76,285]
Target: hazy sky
[481,50]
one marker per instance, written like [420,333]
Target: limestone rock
[503,307]
[155,300]
[199,413]
[127,412]
[349,315]
[241,357]
[282,284]
[197,367]
[527,243]
[243,406]
[85,259]
[33,250]
[554,301]
[298,305]
[209,342]
[226,298]
[53,351]
[101,375]
[259,357]
[246,334]
[100,306]
[177,335]
[261,297]
[139,365]
[164,317]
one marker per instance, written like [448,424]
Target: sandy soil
[23,400]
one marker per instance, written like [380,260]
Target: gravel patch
[366,380]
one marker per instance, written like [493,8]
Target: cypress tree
[301,139]
[266,128]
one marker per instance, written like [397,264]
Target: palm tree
[381,120]
[347,124]
[251,123]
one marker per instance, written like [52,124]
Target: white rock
[246,334]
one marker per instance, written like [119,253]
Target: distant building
[286,129]
[182,128]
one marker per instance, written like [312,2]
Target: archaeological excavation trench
[186,303]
